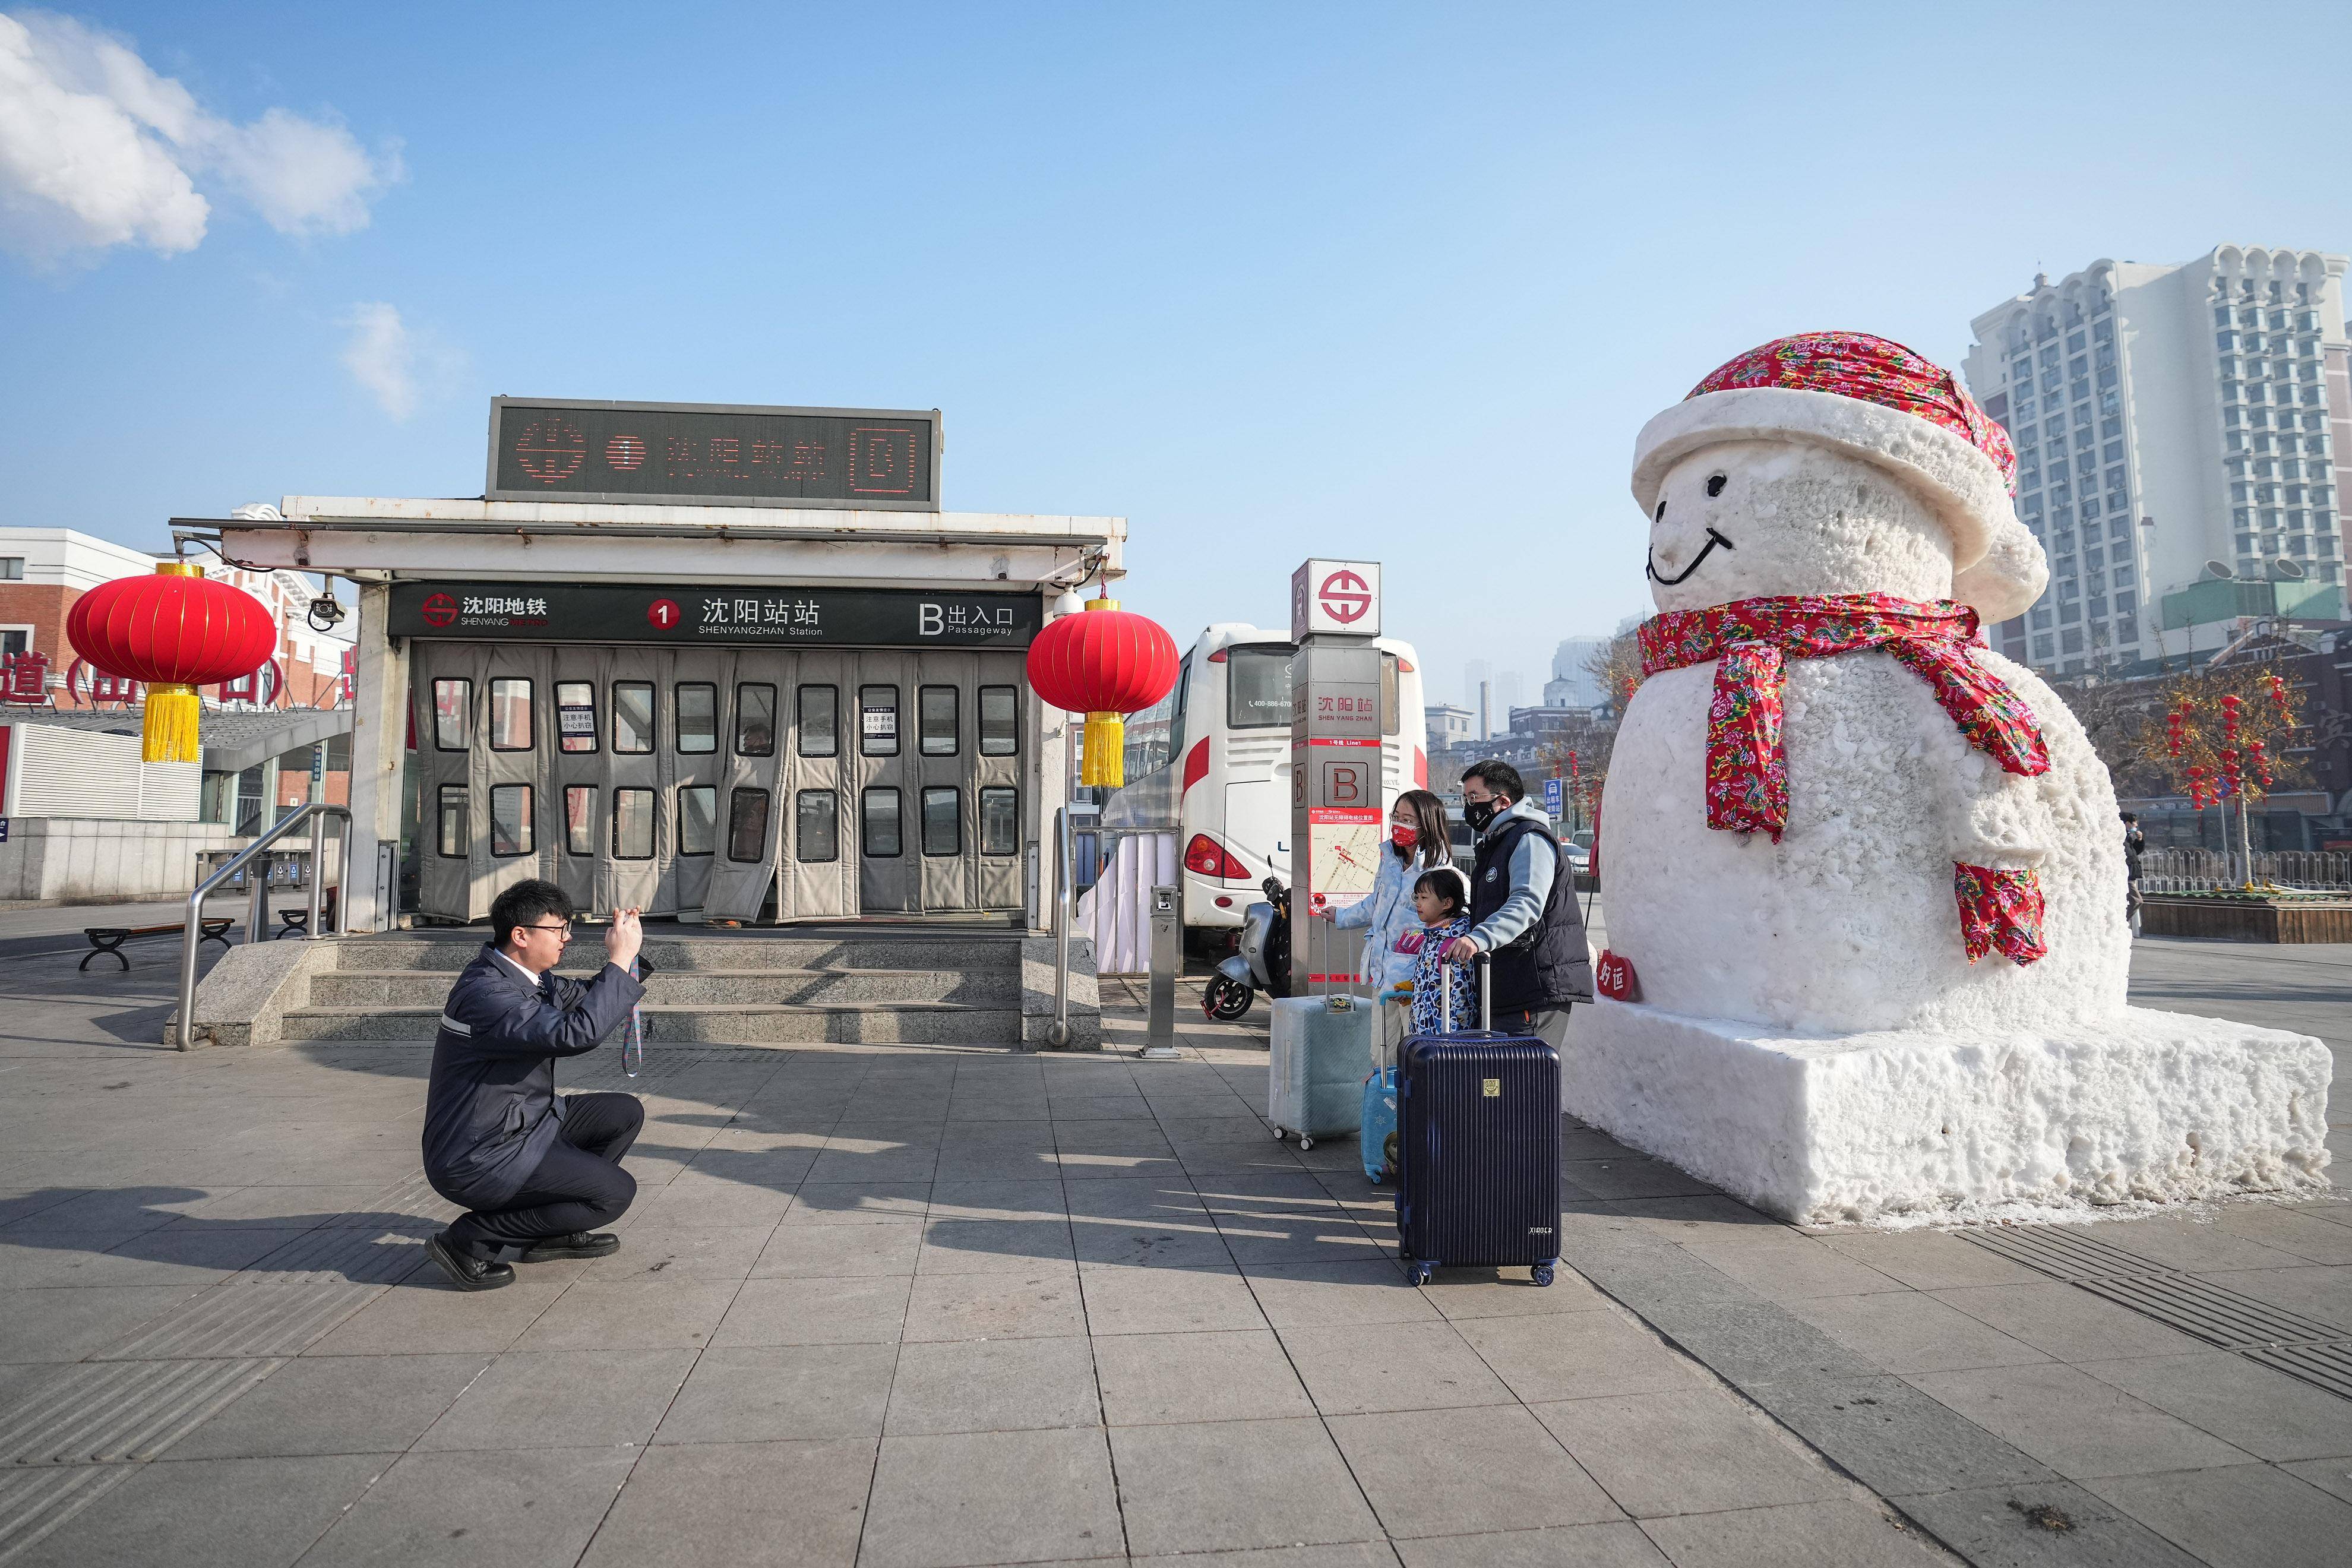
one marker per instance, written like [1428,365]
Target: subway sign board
[710,454]
[671,614]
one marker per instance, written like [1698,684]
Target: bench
[296,920]
[109,939]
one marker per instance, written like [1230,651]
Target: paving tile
[2250,1516]
[335,1405]
[2076,1425]
[819,1311]
[829,1250]
[2333,1476]
[2324,1293]
[419,1319]
[1237,1376]
[770,1393]
[1619,1545]
[1403,1366]
[1892,1437]
[1001,1497]
[956,1246]
[2066,1322]
[562,1399]
[1444,1472]
[2193,1244]
[1127,1299]
[1633,1176]
[1229,1485]
[210,1513]
[2043,1523]
[637,1315]
[1786,1267]
[857,1203]
[699,1202]
[172,1255]
[760,1505]
[1039,1303]
[1330,1294]
[1577,1355]
[2302,1233]
[1839,1533]
[1909,1330]
[67,1325]
[1462,1294]
[524,1508]
[964,1198]
[993,1386]
[2265,1412]
[1749,1340]
[670,1253]
[295,1207]
[1695,1451]
[1930,1259]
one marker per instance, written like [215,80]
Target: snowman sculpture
[1866,893]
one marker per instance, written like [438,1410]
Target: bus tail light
[1204,856]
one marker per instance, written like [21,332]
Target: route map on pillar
[1343,855]
[679,454]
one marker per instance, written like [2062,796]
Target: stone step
[445,955]
[853,1023]
[990,987]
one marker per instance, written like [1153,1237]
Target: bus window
[1152,734]
[1257,688]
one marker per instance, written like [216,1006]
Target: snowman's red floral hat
[1879,401]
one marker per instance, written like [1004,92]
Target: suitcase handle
[1445,994]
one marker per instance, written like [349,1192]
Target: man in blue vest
[537,1172]
[1524,903]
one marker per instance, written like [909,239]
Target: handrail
[257,913]
[1057,1033]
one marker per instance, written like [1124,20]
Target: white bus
[1213,757]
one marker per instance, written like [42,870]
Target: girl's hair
[1446,883]
[1428,813]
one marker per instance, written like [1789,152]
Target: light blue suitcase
[1314,1065]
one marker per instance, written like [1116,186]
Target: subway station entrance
[718,781]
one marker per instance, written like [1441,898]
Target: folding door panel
[579,826]
[940,761]
[445,703]
[509,757]
[701,683]
[882,738]
[752,742]
[635,833]
[1000,711]
[816,809]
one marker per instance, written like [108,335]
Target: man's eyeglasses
[564,928]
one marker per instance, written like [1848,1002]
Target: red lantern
[174,631]
[1104,664]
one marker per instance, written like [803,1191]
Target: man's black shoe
[579,1244]
[466,1271]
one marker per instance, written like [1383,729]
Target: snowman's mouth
[1713,538]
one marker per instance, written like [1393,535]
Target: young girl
[1439,898]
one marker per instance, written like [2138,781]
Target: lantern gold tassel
[170,732]
[1106,748]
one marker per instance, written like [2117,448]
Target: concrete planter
[2250,917]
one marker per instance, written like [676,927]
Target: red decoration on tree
[1106,663]
[174,631]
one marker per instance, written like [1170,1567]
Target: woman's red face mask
[1404,837]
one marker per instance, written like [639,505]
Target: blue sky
[1269,280]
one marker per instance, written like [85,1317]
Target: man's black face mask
[1479,813]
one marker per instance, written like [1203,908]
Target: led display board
[751,616]
[702,454]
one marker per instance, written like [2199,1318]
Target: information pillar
[1336,814]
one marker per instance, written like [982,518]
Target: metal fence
[2203,871]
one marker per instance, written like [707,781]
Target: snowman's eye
[1662,512]
[1715,484]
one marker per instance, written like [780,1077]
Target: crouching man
[538,1171]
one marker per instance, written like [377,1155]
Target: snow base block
[1896,1125]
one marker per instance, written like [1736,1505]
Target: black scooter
[1261,963]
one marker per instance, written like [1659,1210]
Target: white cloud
[381,354]
[96,150]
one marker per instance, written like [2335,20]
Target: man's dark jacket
[1549,965]
[491,1111]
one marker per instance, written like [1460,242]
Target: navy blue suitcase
[1479,1152]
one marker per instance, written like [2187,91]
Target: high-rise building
[2179,431]
[1507,690]
[1572,685]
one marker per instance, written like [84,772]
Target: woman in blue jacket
[1418,842]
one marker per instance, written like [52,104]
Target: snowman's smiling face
[1746,519]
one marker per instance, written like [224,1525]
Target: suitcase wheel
[1543,1273]
[1421,1272]
[1279,1135]
[1305,1142]
[1379,1177]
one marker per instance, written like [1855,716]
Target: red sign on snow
[1614,976]
[1346,596]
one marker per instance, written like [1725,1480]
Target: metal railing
[2210,870]
[257,914]
[1057,1033]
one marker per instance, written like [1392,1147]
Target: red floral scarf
[1747,768]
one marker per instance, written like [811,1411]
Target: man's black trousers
[579,1184]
